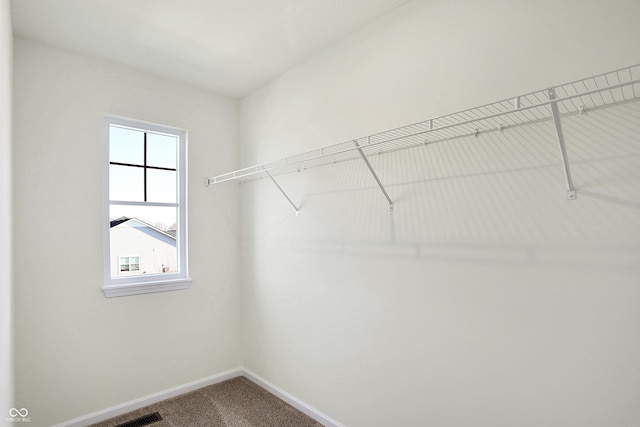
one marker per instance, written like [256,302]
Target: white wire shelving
[551,104]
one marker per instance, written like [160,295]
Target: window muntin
[145,207]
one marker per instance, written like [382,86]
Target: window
[129,264]
[145,206]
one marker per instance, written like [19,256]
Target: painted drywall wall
[485,297]
[6,338]
[76,351]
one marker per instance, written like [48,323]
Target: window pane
[126,145]
[161,186]
[161,150]
[126,183]
[150,233]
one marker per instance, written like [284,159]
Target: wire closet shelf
[576,97]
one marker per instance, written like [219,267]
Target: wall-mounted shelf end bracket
[373,172]
[557,121]
[282,191]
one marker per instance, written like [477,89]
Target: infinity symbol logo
[13,412]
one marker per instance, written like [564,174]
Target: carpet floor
[237,402]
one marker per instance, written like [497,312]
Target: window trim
[115,286]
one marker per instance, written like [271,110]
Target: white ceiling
[228,46]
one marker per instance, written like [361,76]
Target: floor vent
[142,421]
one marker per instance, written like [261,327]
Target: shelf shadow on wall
[497,197]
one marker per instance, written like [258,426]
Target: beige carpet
[235,402]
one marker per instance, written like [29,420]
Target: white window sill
[145,287]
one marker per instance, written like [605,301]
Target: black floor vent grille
[142,421]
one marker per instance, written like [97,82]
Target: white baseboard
[141,402]
[291,400]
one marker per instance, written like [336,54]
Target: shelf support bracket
[281,190]
[555,112]
[373,172]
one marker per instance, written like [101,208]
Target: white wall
[76,351]
[485,298]
[6,340]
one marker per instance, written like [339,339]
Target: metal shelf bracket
[557,121]
[282,191]
[373,172]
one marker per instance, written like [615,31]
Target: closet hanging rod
[520,110]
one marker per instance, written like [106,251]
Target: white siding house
[140,248]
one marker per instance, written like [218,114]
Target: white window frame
[115,286]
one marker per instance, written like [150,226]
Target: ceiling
[228,46]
